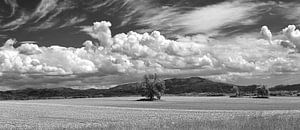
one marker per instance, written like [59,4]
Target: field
[172,112]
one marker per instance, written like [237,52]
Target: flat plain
[173,112]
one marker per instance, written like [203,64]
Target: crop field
[172,112]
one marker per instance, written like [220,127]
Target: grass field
[171,113]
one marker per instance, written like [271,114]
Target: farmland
[172,112]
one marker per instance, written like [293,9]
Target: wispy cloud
[44,8]
[3,36]
[208,20]
[290,11]
[72,21]
[43,17]
[15,24]
[13,4]
[44,25]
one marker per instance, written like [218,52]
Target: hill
[188,85]
[294,87]
[173,86]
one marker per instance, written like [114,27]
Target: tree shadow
[147,99]
[261,97]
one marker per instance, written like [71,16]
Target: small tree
[152,86]
[262,91]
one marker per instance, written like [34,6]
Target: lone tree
[237,91]
[152,86]
[262,91]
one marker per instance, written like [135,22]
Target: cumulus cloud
[290,33]
[293,35]
[29,49]
[101,32]
[9,44]
[134,54]
[266,33]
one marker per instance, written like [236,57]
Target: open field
[171,113]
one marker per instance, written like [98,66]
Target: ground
[172,112]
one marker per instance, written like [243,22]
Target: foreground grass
[275,122]
[69,115]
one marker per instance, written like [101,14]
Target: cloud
[44,8]
[43,17]
[29,49]
[3,36]
[73,21]
[96,5]
[15,24]
[207,20]
[266,33]
[134,54]
[211,18]
[13,4]
[289,11]
[44,25]
[101,32]
[293,35]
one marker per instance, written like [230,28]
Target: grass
[125,113]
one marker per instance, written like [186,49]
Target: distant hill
[188,85]
[195,84]
[173,86]
[295,87]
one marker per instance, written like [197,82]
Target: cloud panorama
[135,54]
[225,46]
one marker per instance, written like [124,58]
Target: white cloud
[100,31]
[293,35]
[266,33]
[29,49]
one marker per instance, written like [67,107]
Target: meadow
[173,112]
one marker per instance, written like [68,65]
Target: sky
[102,43]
